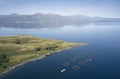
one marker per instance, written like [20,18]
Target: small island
[17,50]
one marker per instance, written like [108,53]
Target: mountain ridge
[51,20]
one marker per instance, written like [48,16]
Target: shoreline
[31,60]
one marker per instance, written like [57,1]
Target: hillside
[15,50]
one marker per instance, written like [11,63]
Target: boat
[63,70]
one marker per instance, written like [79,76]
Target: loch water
[103,51]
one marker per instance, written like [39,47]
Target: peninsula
[17,50]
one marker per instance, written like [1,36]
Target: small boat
[63,70]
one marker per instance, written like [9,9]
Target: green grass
[22,48]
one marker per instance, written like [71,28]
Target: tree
[3,58]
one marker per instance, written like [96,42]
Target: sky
[103,8]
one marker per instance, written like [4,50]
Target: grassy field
[15,50]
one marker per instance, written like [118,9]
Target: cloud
[2,2]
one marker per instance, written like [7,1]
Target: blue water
[103,44]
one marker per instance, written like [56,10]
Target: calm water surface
[103,52]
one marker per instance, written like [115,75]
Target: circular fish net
[79,56]
[92,56]
[76,67]
[76,57]
[88,59]
[72,59]
[66,64]
[82,63]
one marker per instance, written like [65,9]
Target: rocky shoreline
[38,58]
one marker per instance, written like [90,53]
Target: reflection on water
[38,25]
[51,25]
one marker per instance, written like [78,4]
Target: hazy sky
[105,8]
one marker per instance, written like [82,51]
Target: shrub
[18,42]
[37,49]
[51,48]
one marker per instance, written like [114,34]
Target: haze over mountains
[40,20]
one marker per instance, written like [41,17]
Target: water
[103,48]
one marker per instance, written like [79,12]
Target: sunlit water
[100,59]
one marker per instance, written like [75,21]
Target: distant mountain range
[51,20]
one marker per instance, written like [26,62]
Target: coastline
[31,60]
[22,49]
